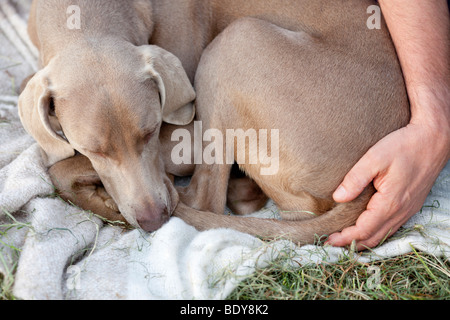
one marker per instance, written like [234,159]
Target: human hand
[403,168]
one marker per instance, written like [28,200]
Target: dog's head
[110,107]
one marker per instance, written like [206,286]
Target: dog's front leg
[77,182]
[207,190]
[244,196]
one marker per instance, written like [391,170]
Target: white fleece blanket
[51,250]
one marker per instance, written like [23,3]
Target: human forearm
[421,33]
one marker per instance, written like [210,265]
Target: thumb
[357,180]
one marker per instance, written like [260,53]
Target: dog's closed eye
[100,154]
[149,134]
[148,137]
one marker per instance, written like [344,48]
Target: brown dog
[310,69]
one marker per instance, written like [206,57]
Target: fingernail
[340,193]
[330,241]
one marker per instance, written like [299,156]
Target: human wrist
[430,105]
[430,110]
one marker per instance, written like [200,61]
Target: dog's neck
[188,30]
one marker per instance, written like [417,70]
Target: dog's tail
[300,232]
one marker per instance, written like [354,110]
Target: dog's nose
[152,218]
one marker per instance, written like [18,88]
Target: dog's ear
[36,111]
[175,89]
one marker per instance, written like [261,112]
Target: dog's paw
[77,182]
[244,196]
[111,204]
[100,191]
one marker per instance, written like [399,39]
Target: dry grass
[414,276]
